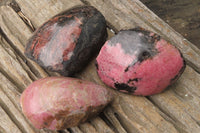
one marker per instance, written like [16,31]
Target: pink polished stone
[62,102]
[139,62]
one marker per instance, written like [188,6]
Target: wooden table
[176,110]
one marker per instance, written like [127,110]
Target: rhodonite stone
[61,102]
[68,41]
[139,62]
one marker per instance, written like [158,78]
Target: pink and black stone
[139,62]
[67,42]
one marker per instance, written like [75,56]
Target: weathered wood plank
[40,11]
[181,102]
[9,98]
[6,124]
[183,113]
[12,110]
[137,8]
[140,119]
[100,125]
[10,103]
[149,116]
[17,33]
[110,114]
[7,22]
[10,66]
[87,128]
[90,75]
[127,113]
[10,91]
[123,14]
[130,113]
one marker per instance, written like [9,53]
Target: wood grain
[6,124]
[9,101]
[175,110]
[11,67]
[40,11]
[17,33]
[125,14]
[130,113]
[100,125]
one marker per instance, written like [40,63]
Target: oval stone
[139,62]
[62,102]
[68,41]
